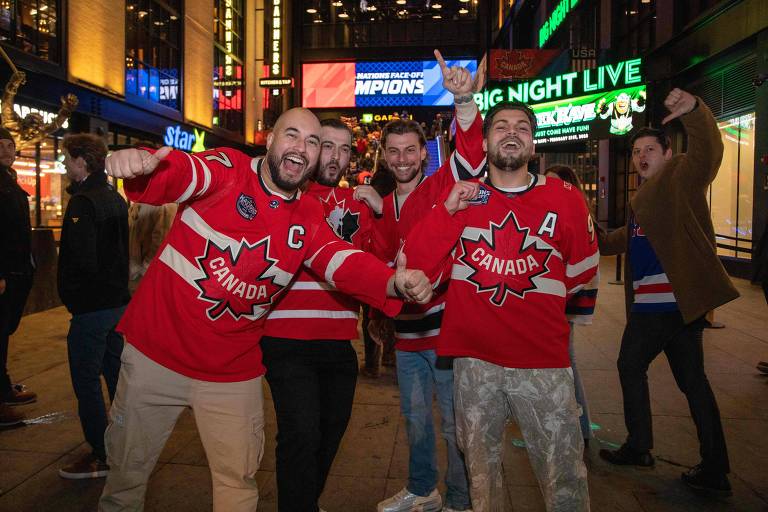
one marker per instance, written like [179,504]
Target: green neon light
[609,76]
[555,20]
[575,119]
[199,141]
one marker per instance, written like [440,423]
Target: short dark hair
[508,106]
[401,127]
[565,173]
[338,125]
[660,135]
[91,147]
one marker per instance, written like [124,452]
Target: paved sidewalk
[372,463]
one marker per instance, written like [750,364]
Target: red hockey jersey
[417,326]
[513,260]
[312,309]
[232,249]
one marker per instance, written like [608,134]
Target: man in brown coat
[672,278]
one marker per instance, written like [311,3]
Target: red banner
[512,64]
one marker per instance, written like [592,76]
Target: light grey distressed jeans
[542,402]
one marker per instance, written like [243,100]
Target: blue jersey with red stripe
[653,291]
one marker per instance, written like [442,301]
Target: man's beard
[508,163]
[274,172]
[410,176]
[323,179]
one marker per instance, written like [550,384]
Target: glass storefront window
[153,50]
[731,193]
[31,26]
[53,182]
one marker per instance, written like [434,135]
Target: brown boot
[9,417]
[19,395]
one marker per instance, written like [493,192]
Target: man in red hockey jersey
[311,365]
[416,329]
[193,327]
[513,247]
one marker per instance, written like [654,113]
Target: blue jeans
[94,349]
[419,379]
[581,397]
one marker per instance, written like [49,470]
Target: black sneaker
[626,456]
[701,480]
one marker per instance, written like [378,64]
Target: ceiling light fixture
[463,10]
[343,15]
[311,10]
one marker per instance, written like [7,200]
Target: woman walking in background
[575,314]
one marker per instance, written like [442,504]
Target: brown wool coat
[672,209]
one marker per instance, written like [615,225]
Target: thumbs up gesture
[413,285]
[130,163]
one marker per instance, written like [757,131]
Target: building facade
[717,50]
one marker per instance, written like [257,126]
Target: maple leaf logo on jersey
[343,222]
[503,259]
[238,280]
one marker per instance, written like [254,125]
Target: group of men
[262,274]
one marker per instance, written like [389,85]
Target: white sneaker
[405,501]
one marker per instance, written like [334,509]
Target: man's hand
[479,83]
[456,80]
[2,286]
[678,103]
[369,196]
[130,163]
[460,196]
[412,283]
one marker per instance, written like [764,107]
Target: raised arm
[171,176]
[705,147]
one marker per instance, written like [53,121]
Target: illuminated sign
[590,104]
[275,48]
[368,117]
[594,116]
[276,82]
[177,137]
[555,20]
[376,84]
[609,76]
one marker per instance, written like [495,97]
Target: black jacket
[93,257]
[15,230]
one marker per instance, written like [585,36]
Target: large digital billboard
[377,84]
[607,101]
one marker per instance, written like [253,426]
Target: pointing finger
[441,61]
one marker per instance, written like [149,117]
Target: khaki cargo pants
[149,400]
[543,403]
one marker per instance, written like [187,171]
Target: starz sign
[486,256]
[238,281]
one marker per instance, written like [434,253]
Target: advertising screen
[377,84]
[596,116]
[607,101]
